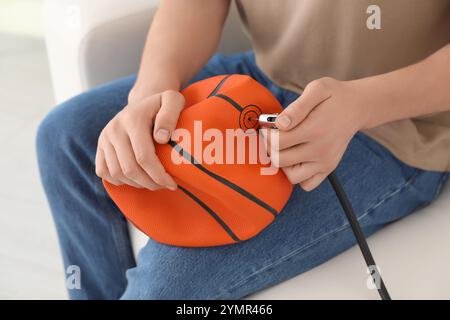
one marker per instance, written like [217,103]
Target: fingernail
[284,121]
[162,135]
[172,188]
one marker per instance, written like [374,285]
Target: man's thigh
[310,230]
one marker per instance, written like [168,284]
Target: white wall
[21,17]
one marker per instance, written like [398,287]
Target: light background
[21,17]
[30,264]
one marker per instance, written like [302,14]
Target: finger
[301,172]
[172,102]
[114,168]
[292,156]
[145,155]
[130,167]
[101,169]
[304,132]
[313,182]
[113,181]
[313,95]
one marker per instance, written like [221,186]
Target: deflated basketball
[217,202]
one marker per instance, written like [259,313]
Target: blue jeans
[310,230]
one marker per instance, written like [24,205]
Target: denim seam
[394,192]
[441,184]
[296,252]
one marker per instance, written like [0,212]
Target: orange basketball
[215,203]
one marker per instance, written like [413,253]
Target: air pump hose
[362,243]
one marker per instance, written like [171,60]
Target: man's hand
[126,152]
[314,131]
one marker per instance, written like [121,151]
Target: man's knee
[71,126]
[50,130]
[54,133]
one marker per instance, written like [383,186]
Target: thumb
[314,94]
[172,102]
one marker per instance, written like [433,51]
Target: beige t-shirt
[297,41]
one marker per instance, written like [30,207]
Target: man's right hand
[126,152]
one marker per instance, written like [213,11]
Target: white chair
[92,42]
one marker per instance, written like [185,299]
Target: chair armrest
[93,42]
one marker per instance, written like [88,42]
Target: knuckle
[101,143]
[316,85]
[175,96]
[158,178]
[292,177]
[130,171]
[142,158]
[100,171]
[113,125]
[170,92]
[125,118]
[101,137]
[111,133]
[104,135]
[327,80]
[115,173]
[306,186]
[323,85]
